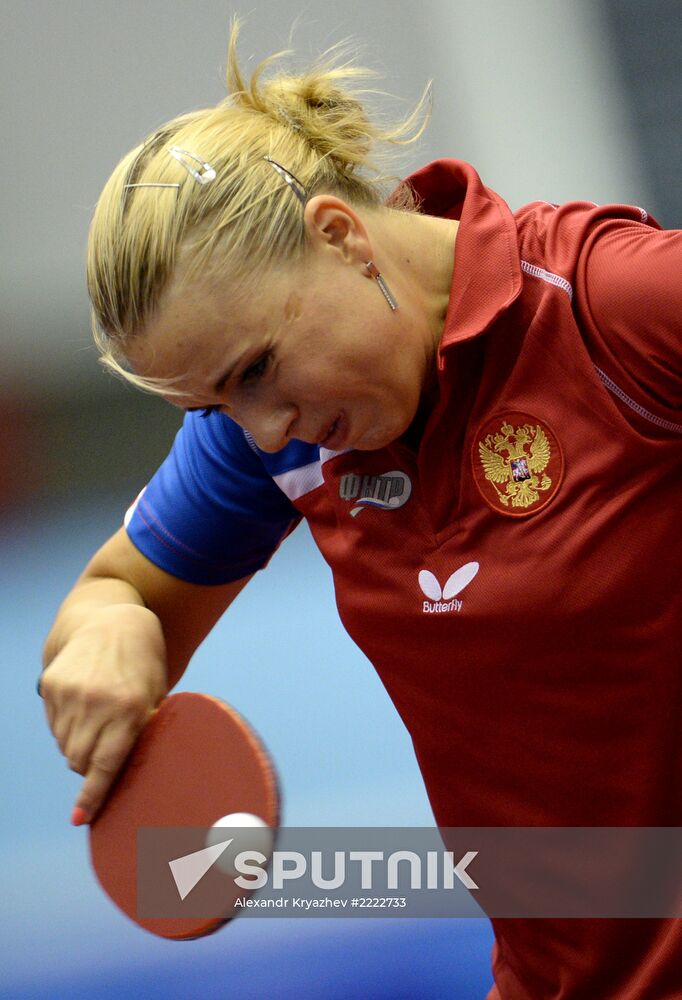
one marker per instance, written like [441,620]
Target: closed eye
[206,411]
[253,373]
[257,370]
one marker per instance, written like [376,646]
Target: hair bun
[324,106]
[333,122]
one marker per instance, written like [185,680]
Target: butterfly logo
[454,585]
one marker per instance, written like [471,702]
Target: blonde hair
[314,124]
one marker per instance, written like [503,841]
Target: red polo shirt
[514,576]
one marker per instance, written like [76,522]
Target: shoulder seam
[548,276]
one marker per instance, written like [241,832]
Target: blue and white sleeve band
[212,513]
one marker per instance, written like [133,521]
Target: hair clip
[290,178]
[151,184]
[287,120]
[203,176]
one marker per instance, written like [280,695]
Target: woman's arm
[121,639]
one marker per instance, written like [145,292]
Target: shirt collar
[487,273]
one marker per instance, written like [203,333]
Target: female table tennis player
[476,411]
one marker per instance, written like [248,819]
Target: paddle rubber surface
[197,760]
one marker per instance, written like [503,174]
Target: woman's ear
[332,224]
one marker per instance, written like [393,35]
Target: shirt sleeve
[629,286]
[211,514]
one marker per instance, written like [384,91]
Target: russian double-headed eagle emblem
[519,464]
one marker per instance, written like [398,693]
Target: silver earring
[376,274]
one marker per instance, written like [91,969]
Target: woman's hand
[100,690]
[121,640]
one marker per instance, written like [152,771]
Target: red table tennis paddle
[196,762]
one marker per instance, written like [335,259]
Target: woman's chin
[373,439]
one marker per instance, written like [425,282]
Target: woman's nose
[269,426]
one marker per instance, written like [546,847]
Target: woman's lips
[336,435]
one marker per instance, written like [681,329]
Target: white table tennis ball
[241,819]
[248,832]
